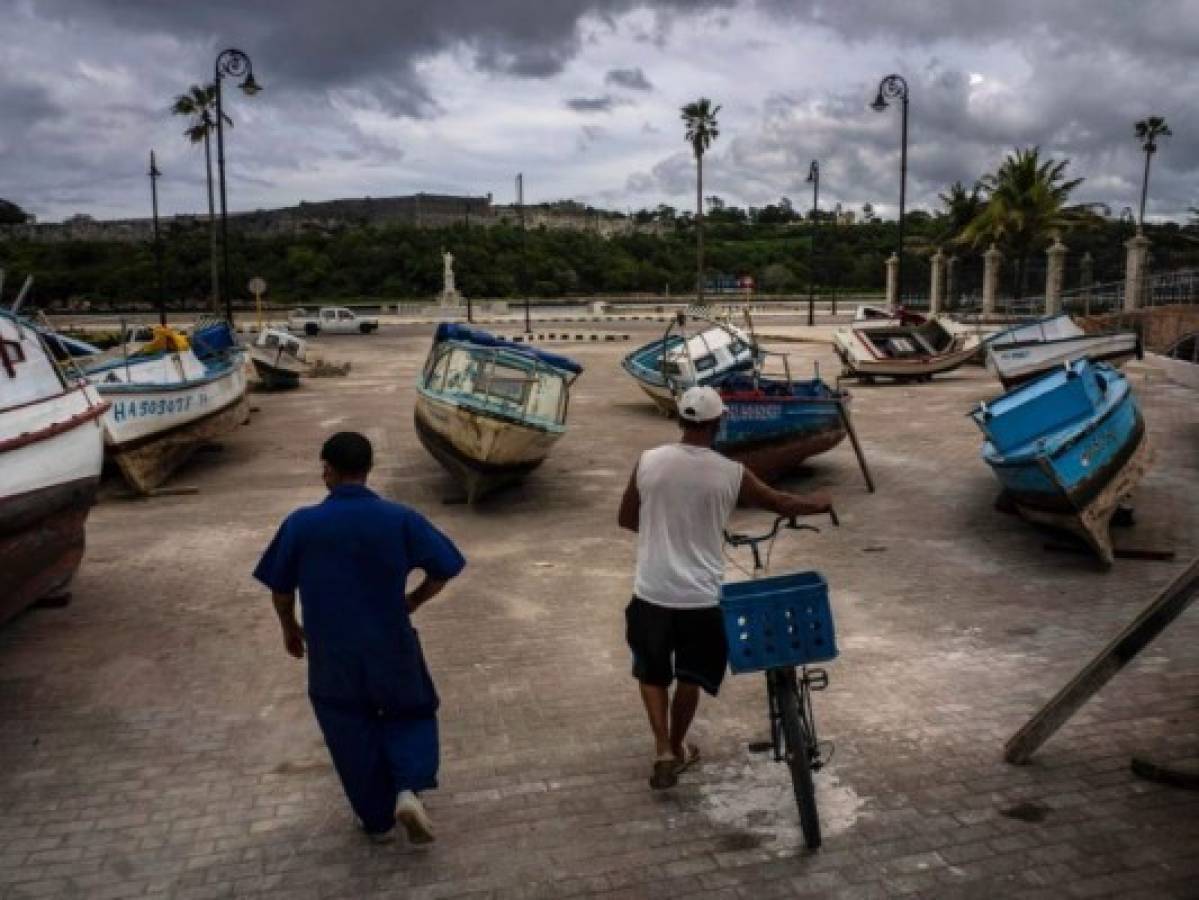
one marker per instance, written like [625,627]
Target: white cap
[700,404]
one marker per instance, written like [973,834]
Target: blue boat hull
[774,428]
[1067,448]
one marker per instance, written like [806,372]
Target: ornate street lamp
[892,88]
[1148,131]
[814,180]
[233,63]
[162,302]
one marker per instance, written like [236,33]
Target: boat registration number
[753,411]
[137,409]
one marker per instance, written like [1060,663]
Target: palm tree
[200,104]
[961,206]
[702,128]
[1026,205]
[1148,131]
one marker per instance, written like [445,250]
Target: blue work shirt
[350,556]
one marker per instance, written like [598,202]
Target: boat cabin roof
[448,331]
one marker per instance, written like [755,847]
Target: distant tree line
[404,262]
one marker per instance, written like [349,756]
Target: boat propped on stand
[51,452]
[490,410]
[279,359]
[1026,351]
[666,367]
[170,398]
[1068,448]
[903,352]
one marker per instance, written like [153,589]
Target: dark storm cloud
[319,45]
[591,104]
[630,79]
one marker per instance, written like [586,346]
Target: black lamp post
[814,180]
[162,302]
[234,63]
[892,88]
[524,247]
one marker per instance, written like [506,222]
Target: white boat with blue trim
[168,399]
[490,410]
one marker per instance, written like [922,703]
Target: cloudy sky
[384,97]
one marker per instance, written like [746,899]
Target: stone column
[938,271]
[1054,273]
[951,282]
[893,281]
[1086,280]
[991,258]
[1135,271]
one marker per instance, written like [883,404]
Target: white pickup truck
[331,320]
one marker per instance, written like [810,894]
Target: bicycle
[773,624]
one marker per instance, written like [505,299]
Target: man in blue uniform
[350,556]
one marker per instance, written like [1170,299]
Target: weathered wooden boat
[490,410]
[167,401]
[668,366]
[51,451]
[773,424]
[1026,351]
[279,359]
[1181,360]
[903,352]
[1067,448]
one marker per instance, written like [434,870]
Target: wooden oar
[857,447]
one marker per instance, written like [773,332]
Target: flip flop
[690,758]
[665,774]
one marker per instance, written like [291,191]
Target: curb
[553,336]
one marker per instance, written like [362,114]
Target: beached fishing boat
[1026,351]
[668,366]
[903,352]
[279,359]
[1067,448]
[168,399]
[490,410]
[773,424]
[51,451]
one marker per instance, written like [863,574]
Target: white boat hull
[151,430]
[483,452]
[1014,365]
[51,452]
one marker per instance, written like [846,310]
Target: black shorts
[687,644]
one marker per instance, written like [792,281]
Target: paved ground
[154,739]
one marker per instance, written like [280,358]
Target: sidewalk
[156,741]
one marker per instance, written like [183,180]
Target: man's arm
[755,492]
[630,505]
[424,592]
[293,634]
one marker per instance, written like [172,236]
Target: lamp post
[234,63]
[814,180]
[154,176]
[1148,131]
[524,249]
[892,88]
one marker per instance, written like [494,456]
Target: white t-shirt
[687,494]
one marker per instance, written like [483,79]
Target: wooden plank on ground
[1152,621]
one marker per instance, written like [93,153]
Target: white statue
[447,288]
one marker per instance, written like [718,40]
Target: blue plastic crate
[784,620]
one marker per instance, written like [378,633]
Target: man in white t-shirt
[678,500]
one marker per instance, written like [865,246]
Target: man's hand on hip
[293,640]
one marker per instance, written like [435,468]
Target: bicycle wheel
[795,734]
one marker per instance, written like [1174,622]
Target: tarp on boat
[448,331]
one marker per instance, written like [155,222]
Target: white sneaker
[411,814]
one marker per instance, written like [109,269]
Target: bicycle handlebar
[735,539]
